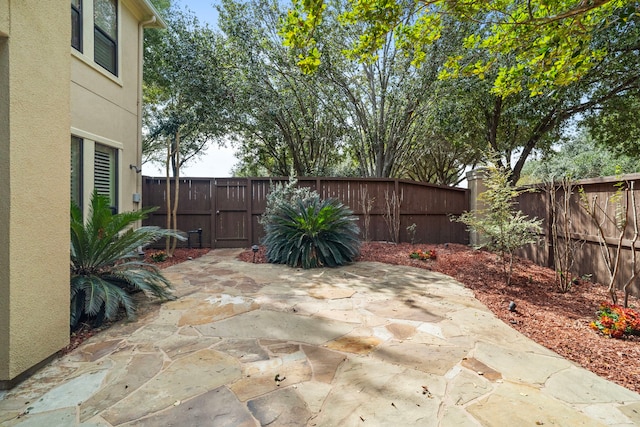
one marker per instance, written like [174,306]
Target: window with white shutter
[104,174]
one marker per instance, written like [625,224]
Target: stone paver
[218,407]
[527,405]
[362,345]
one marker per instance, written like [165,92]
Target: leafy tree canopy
[578,158]
[550,40]
[284,120]
[617,125]
[187,104]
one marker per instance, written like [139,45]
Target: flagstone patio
[364,345]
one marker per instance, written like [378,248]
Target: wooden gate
[232,224]
[217,206]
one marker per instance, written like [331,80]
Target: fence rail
[583,231]
[227,209]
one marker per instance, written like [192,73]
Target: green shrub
[283,195]
[501,226]
[104,263]
[308,232]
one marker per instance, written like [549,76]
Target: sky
[216,162]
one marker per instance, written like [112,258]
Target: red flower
[616,321]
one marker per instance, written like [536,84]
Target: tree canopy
[186,101]
[425,88]
[616,126]
[549,40]
[348,118]
[578,157]
[284,121]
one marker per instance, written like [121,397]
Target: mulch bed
[558,321]
[179,255]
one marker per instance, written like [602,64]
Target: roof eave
[146,13]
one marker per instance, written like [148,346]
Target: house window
[76,24]
[104,174]
[105,22]
[76,171]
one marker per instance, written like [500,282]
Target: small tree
[366,203]
[503,228]
[391,216]
[625,215]
[564,246]
[187,100]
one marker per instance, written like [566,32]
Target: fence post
[213,191]
[475,179]
[249,200]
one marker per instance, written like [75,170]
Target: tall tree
[385,102]
[449,131]
[382,101]
[513,126]
[348,118]
[607,85]
[186,100]
[283,125]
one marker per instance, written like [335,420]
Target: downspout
[141,26]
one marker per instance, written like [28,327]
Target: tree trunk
[168,175]
[176,176]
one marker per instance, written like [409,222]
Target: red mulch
[558,321]
[179,255]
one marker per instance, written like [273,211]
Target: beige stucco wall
[34,182]
[104,107]
[4,194]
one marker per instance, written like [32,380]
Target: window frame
[101,39]
[77,174]
[77,10]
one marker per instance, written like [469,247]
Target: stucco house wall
[34,182]
[106,108]
[49,92]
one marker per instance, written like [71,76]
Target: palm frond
[311,233]
[103,267]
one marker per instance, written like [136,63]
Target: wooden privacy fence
[583,231]
[227,209]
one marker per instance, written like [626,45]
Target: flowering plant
[423,255]
[616,321]
[159,256]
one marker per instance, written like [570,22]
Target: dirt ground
[558,321]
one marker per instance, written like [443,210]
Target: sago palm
[104,263]
[312,233]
